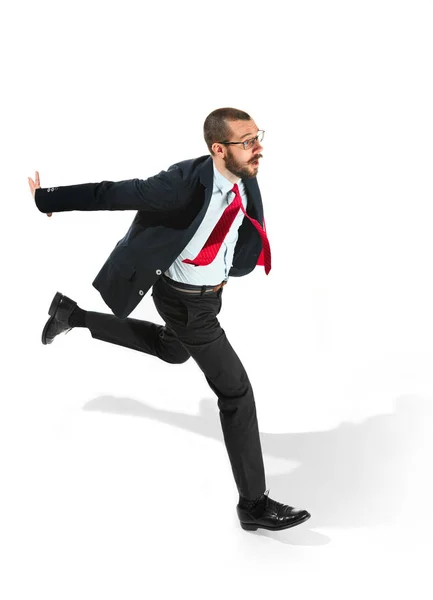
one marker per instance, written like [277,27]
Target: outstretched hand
[34,185]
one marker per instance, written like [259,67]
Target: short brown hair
[216,126]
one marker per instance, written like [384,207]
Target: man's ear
[218,149]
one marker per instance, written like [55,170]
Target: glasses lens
[250,143]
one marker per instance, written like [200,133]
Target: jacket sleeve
[162,192]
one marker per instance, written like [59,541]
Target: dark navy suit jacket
[171,206]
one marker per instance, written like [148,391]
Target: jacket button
[158,271]
[141,292]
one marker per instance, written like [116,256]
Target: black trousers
[192,329]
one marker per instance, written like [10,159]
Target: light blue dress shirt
[219,268]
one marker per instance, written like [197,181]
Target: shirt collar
[224,185]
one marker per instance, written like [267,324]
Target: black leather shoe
[59,311]
[269,514]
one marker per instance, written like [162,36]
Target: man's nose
[258,146]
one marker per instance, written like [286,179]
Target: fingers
[35,185]
[32,186]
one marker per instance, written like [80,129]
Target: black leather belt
[193,289]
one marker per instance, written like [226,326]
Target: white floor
[115,483]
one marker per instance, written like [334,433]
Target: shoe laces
[273,506]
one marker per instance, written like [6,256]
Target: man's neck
[225,173]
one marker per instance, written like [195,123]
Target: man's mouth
[255,160]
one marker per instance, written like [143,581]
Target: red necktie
[221,229]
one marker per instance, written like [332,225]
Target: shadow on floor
[350,476]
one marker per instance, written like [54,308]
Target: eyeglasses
[248,143]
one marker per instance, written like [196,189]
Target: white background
[115,480]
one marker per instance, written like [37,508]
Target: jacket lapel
[206,178]
[255,207]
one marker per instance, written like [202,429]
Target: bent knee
[177,359]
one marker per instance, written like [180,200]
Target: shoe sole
[254,527]
[51,311]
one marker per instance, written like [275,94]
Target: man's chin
[254,169]
[246,172]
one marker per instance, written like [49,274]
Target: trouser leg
[229,381]
[194,321]
[153,339]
